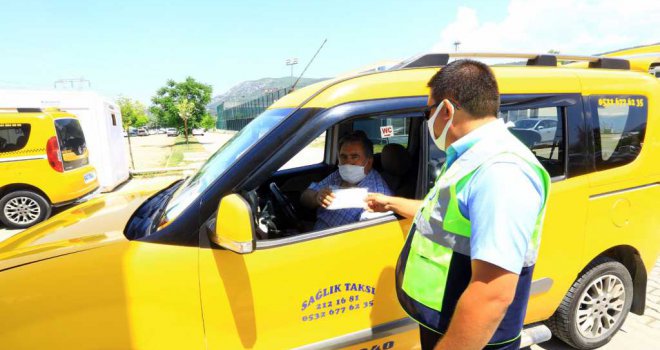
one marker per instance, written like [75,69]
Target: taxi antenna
[307,66]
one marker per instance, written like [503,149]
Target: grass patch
[158,174]
[180,147]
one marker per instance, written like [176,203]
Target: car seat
[395,162]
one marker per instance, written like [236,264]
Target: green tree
[133,113]
[185,108]
[208,122]
[166,99]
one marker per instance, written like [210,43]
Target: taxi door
[330,288]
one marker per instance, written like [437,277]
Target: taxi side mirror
[234,227]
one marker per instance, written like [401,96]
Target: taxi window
[541,129]
[619,128]
[72,143]
[13,137]
[384,130]
[313,153]
[545,139]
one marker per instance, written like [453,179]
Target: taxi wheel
[595,307]
[22,209]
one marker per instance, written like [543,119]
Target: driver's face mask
[352,174]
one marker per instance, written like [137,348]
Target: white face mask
[441,141]
[352,174]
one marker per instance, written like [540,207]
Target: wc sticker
[336,300]
[386,131]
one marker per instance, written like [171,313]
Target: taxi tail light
[54,155]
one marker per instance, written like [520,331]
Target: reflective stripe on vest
[440,230]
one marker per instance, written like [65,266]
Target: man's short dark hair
[470,84]
[359,136]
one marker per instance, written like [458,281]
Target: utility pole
[291,62]
[456,44]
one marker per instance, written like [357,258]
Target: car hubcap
[22,210]
[601,306]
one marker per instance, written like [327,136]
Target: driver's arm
[314,199]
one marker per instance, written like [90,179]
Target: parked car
[172,132]
[153,131]
[44,163]
[546,128]
[162,131]
[142,132]
[198,132]
[228,259]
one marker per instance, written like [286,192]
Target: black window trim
[593,125]
[308,236]
[326,120]
[572,106]
[81,162]
[24,127]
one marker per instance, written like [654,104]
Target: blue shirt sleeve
[329,180]
[379,185]
[502,201]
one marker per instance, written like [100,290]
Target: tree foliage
[208,122]
[133,113]
[166,99]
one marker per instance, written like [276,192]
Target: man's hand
[378,203]
[324,197]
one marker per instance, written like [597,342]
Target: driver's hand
[324,197]
[378,202]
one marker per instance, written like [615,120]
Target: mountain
[252,89]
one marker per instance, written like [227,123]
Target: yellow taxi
[44,163]
[227,259]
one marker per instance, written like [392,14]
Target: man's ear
[449,109]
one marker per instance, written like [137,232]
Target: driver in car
[355,170]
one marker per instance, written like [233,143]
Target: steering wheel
[290,216]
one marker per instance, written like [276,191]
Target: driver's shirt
[325,218]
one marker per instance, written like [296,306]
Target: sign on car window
[619,128]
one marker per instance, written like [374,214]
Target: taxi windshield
[221,160]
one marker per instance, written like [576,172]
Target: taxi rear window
[72,143]
[619,128]
[13,137]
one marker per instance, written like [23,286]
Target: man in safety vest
[465,271]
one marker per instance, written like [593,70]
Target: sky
[132,47]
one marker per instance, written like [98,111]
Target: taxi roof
[27,114]
[520,79]
[640,58]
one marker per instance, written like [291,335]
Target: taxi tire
[562,324]
[44,206]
